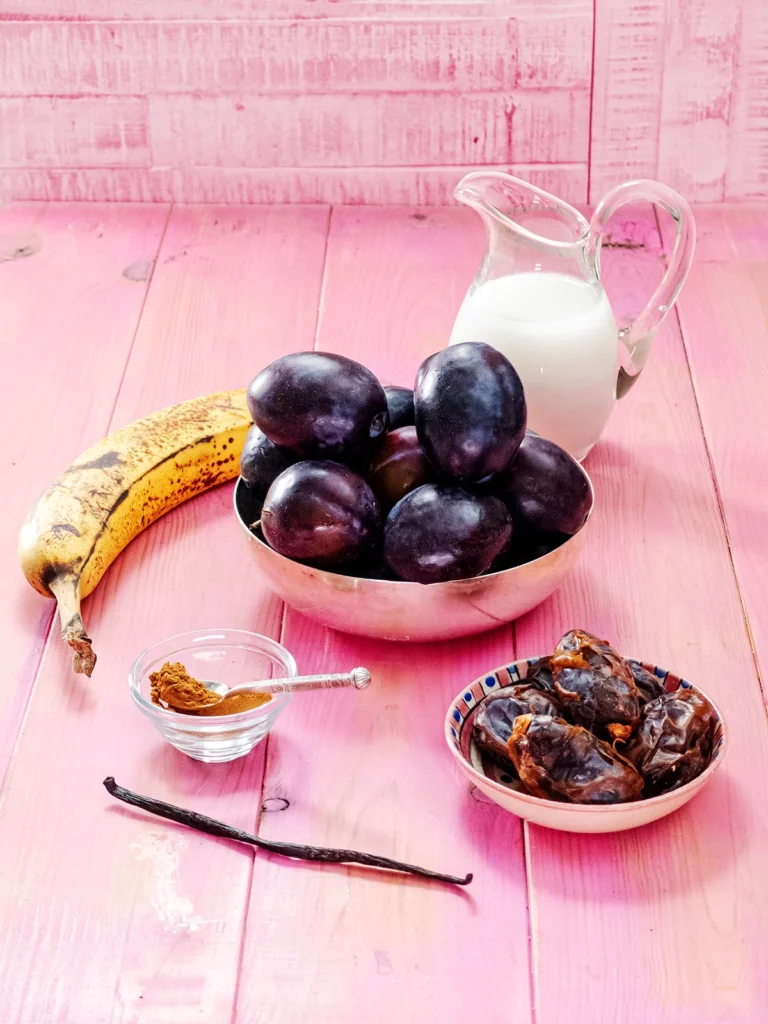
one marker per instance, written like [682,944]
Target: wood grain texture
[268,10]
[746,174]
[678,91]
[60,268]
[312,56]
[66,131]
[724,318]
[371,769]
[680,95]
[699,63]
[372,186]
[626,92]
[685,898]
[136,919]
[373,130]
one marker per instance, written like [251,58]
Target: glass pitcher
[537,297]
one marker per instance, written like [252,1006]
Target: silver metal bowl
[392,610]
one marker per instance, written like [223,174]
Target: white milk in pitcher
[560,335]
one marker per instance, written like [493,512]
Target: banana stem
[67,593]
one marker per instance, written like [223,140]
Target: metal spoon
[358,678]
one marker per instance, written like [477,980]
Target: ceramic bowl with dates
[585,740]
[418,513]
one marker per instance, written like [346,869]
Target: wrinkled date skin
[496,716]
[595,685]
[674,741]
[559,761]
[649,687]
[540,675]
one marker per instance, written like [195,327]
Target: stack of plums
[589,727]
[439,483]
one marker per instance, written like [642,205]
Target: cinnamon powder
[174,686]
[236,703]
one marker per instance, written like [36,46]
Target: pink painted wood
[72,284]
[724,319]
[326,56]
[110,100]
[73,131]
[136,920]
[248,10]
[354,186]
[345,131]
[370,770]
[685,898]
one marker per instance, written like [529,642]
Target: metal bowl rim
[448,584]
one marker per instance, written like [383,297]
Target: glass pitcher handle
[637,336]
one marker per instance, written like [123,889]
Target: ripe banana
[116,489]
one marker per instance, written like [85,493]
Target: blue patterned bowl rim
[462,712]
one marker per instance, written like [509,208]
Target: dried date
[540,675]
[595,686]
[673,743]
[496,716]
[649,686]
[559,761]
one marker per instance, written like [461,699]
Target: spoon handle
[358,678]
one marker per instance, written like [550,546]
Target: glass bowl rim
[276,704]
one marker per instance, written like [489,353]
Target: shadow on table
[372,876]
[617,475]
[192,777]
[686,851]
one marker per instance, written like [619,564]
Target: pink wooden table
[106,916]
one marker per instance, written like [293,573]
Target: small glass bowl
[224,656]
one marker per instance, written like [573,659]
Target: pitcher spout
[493,194]
[505,201]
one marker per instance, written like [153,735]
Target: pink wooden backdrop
[379,101]
[114,917]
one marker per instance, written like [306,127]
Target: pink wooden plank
[328,55]
[744,223]
[679,94]
[700,57]
[371,770]
[348,131]
[724,319]
[369,186]
[732,233]
[134,919]
[746,174]
[667,923]
[64,131]
[173,10]
[554,44]
[234,57]
[626,92]
[60,267]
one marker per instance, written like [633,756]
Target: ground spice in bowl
[174,686]
[236,703]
